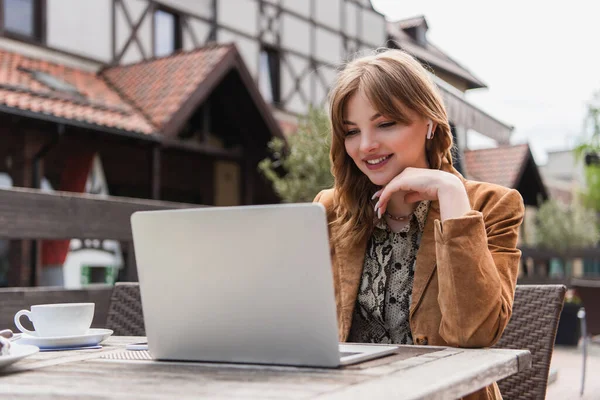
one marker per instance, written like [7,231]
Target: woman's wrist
[454,202]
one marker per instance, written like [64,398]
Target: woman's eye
[352,132]
[387,124]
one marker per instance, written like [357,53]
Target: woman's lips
[383,160]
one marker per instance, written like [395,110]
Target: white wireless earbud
[430,130]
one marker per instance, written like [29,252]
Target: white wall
[328,13]
[135,8]
[296,103]
[302,7]
[248,49]
[329,74]
[200,30]
[330,47]
[34,51]
[353,13]
[81,27]
[91,20]
[360,25]
[295,34]
[198,7]
[563,165]
[239,14]
[365,25]
[373,29]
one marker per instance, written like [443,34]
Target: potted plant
[301,170]
[569,330]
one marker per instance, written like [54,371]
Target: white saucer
[93,337]
[17,352]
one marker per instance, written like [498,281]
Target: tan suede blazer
[465,274]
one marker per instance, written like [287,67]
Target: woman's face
[379,146]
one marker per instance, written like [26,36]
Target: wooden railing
[33,214]
[541,258]
[546,254]
[28,215]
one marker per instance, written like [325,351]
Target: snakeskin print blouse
[383,302]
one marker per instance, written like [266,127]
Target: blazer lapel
[351,267]
[426,261]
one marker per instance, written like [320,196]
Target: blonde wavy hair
[388,79]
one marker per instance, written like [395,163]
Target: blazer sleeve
[478,263]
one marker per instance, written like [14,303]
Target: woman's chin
[379,180]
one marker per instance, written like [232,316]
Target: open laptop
[249,284]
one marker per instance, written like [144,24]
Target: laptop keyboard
[347,353]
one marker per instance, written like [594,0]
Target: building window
[52,82]
[23,19]
[167,32]
[270,77]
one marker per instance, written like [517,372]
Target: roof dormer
[416,28]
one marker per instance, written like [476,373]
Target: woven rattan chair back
[536,311]
[125,316]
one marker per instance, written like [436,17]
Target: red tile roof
[140,97]
[97,103]
[161,86]
[501,165]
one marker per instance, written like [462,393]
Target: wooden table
[416,372]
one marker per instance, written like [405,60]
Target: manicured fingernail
[376,205]
[376,194]
[379,213]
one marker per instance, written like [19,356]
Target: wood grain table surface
[415,372]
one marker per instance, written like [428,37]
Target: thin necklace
[400,218]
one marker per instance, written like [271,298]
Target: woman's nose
[368,143]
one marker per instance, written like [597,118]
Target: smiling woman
[374,146]
[420,255]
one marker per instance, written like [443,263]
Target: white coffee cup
[52,320]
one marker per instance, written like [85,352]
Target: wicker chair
[533,325]
[125,315]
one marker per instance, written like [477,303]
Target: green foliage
[304,164]
[592,128]
[590,196]
[560,227]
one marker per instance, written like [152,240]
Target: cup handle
[18,321]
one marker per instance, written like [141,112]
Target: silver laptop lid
[238,284]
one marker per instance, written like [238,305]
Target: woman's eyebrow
[373,118]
